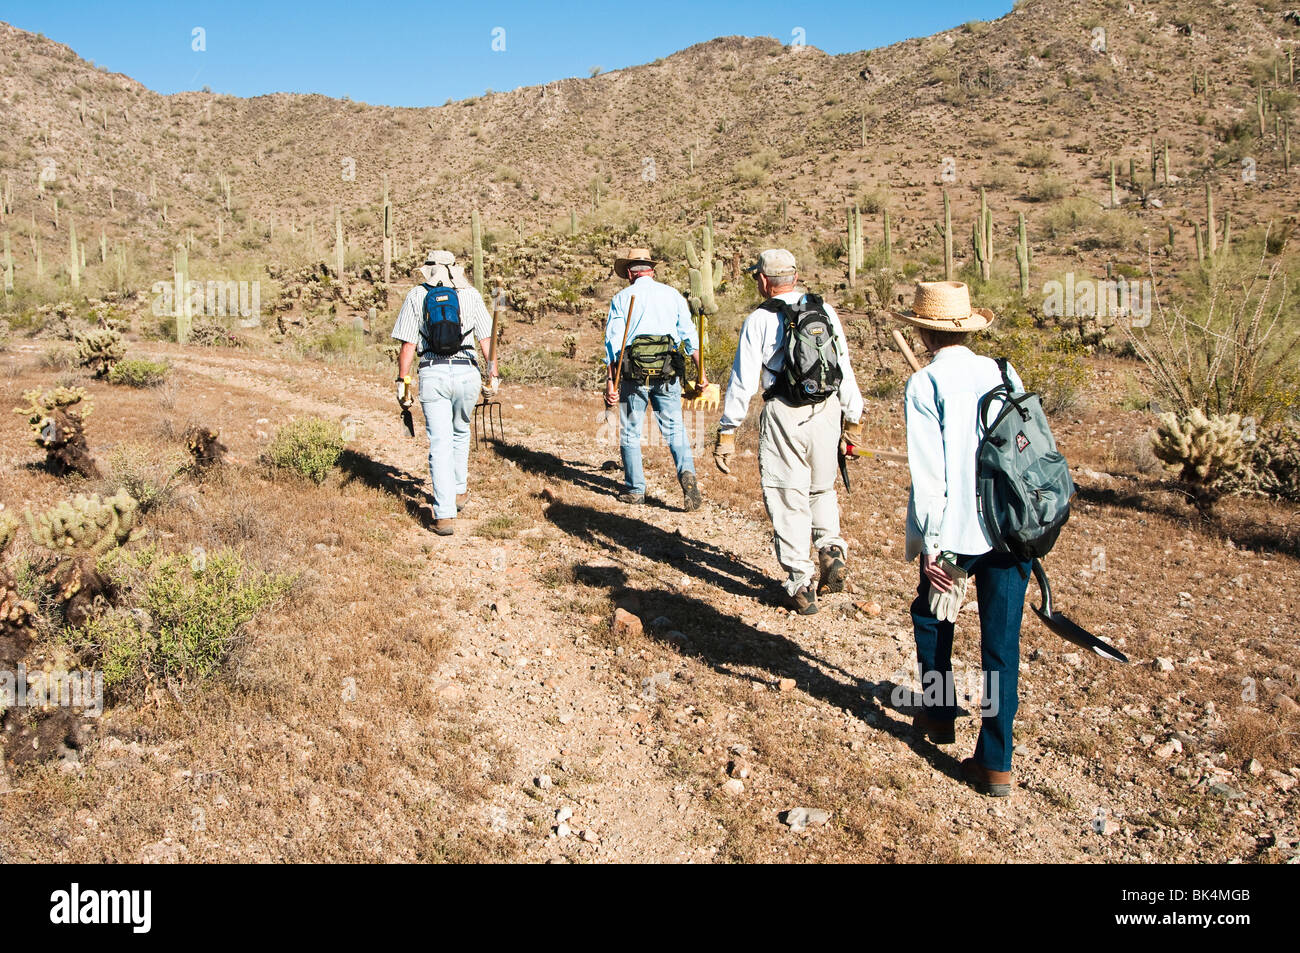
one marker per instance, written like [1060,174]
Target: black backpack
[442,332]
[812,369]
[1022,482]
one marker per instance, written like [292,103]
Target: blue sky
[401,54]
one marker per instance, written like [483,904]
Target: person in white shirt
[797,440]
[449,384]
[945,528]
[659,313]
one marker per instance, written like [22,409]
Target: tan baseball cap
[775,263]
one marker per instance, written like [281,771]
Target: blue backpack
[442,332]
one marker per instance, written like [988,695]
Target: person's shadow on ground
[729,645]
[389,479]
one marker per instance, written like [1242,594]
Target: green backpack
[1022,482]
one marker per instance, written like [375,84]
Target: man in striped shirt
[449,385]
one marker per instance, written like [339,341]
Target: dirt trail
[638,736]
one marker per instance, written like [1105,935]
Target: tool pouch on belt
[651,359]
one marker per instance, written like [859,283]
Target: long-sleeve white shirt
[761,351]
[941,407]
[660,309]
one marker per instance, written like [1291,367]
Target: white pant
[798,462]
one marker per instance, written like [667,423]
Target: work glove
[946,605]
[492,386]
[850,437]
[405,393]
[723,450]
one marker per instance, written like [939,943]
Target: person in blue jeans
[945,528]
[657,311]
[449,384]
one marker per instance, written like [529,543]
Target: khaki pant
[798,462]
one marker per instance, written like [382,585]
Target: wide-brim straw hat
[944,306]
[632,256]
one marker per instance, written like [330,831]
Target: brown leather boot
[804,601]
[444,527]
[690,492]
[939,731]
[985,780]
[832,570]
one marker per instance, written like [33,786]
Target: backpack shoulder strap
[1002,368]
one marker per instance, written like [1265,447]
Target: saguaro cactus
[710,270]
[476,236]
[74,259]
[889,242]
[184,313]
[9,267]
[1022,255]
[338,246]
[388,235]
[1209,221]
[1114,196]
[851,245]
[982,238]
[947,237]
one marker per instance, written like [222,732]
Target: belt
[454,359]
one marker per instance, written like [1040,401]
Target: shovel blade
[408,422]
[1072,632]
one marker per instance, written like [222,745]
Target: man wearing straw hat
[648,327]
[797,439]
[449,379]
[945,528]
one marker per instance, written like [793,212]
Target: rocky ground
[481,697]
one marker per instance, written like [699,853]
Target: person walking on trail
[649,335]
[946,529]
[792,350]
[440,321]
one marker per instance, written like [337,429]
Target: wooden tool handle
[627,323]
[906,349]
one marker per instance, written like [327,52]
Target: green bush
[139,372]
[1048,362]
[310,447]
[1047,188]
[193,607]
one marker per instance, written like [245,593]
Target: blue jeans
[1000,583]
[448,393]
[666,399]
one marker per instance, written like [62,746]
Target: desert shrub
[529,367]
[58,357]
[1036,157]
[1087,223]
[211,334]
[309,447]
[139,372]
[1232,348]
[149,476]
[1048,362]
[1047,188]
[193,608]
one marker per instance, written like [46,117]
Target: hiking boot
[804,601]
[631,498]
[833,571]
[444,527]
[691,492]
[462,501]
[986,781]
[941,732]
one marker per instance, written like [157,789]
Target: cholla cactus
[57,419]
[1204,450]
[99,349]
[205,447]
[86,524]
[16,613]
